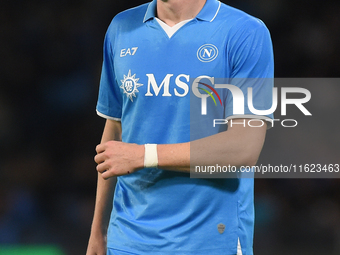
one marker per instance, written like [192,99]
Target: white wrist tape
[150,156]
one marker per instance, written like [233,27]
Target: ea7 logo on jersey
[129,51]
[207,53]
[130,85]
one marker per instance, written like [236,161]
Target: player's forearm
[103,206]
[239,146]
[235,147]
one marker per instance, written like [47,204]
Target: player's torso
[155,74]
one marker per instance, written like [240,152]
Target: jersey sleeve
[251,58]
[109,104]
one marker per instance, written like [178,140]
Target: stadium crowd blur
[51,53]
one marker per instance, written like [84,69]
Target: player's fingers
[99,158]
[101,168]
[100,148]
[106,175]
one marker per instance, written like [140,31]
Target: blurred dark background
[51,54]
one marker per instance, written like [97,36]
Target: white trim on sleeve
[107,117]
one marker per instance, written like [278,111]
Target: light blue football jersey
[146,84]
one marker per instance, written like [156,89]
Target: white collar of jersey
[208,12]
[171,30]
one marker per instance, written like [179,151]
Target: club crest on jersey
[130,85]
[207,53]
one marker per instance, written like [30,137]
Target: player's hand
[96,245]
[118,158]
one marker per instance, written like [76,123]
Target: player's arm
[104,198]
[238,146]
